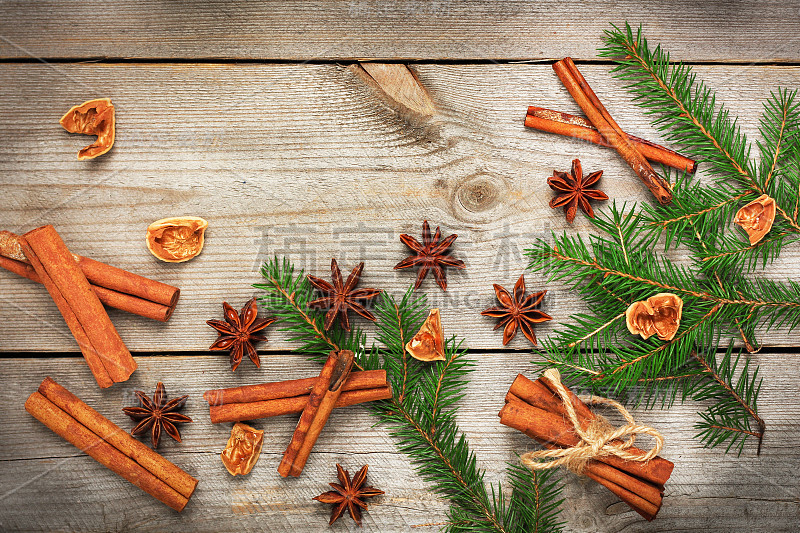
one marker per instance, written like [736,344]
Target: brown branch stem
[702,295]
[398,407]
[687,113]
[725,385]
[405,354]
[665,223]
[663,346]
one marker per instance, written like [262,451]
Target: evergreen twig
[618,265]
[421,413]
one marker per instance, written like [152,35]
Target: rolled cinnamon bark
[553,427]
[105,353]
[113,286]
[598,115]
[646,509]
[117,437]
[598,469]
[368,379]
[238,412]
[321,401]
[561,123]
[101,451]
[307,417]
[551,430]
[126,282]
[537,394]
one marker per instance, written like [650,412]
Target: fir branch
[596,352]
[687,108]
[578,261]
[590,353]
[721,422]
[689,115]
[779,129]
[421,413]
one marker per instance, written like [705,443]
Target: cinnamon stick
[113,286]
[537,394]
[597,469]
[368,379]
[598,115]
[536,409]
[646,509]
[239,412]
[562,123]
[105,353]
[320,404]
[117,437]
[62,423]
[283,397]
[551,430]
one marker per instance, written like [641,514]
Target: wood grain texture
[305,161]
[406,29]
[747,493]
[309,161]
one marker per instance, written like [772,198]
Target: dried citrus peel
[94,117]
[243,449]
[659,315]
[756,218]
[176,239]
[428,343]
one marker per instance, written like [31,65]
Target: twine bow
[596,440]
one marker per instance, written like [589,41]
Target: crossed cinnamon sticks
[79,287]
[89,431]
[315,398]
[286,397]
[113,286]
[602,129]
[534,408]
[106,355]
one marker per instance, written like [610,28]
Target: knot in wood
[479,192]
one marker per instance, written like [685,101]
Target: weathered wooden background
[248,115]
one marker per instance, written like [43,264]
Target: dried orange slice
[428,343]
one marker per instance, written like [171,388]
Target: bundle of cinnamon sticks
[602,129]
[89,431]
[284,397]
[534,408]
[113,286]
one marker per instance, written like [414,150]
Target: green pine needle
[723,301]
[421,413]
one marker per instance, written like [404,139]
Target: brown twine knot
[596,439]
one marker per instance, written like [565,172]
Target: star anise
[341,297]
[348,494]
[157,414]
[430,255]
[517,311]
[575,191]
[237,332]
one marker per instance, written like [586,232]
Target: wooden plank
[44,477]
[751,31]
[306,161]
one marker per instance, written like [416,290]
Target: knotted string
[596,439]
